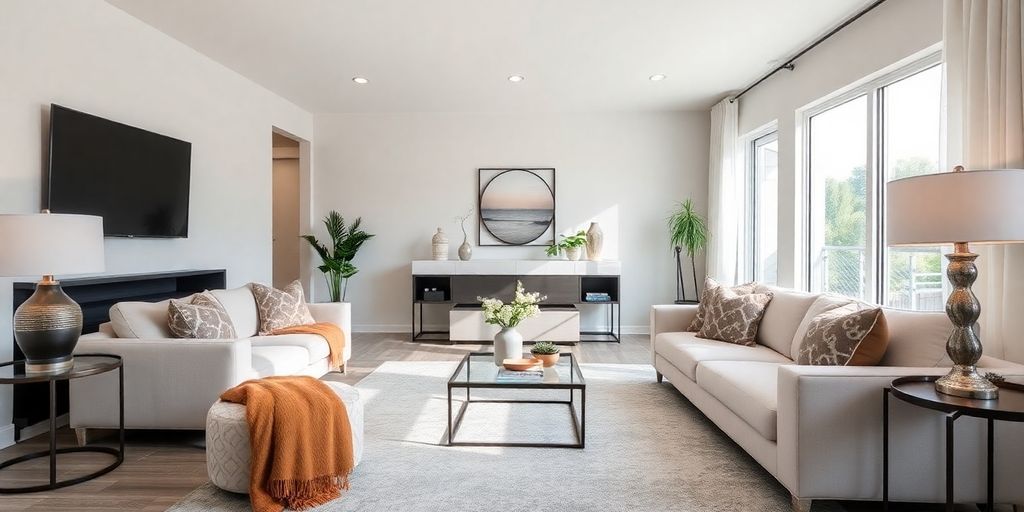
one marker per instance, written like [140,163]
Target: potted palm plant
[687,230]
[345,241]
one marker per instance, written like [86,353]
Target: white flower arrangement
[509,315]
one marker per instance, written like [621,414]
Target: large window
[763,225]
[885,130]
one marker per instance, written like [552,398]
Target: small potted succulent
[545,351]
[570,244]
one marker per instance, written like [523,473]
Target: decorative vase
[508,344]
[440,244]
[549,360]
[572,253]
[465,250]
[595,242]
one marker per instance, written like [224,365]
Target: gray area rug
[647,449]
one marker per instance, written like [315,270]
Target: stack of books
[597,297]
[505,375]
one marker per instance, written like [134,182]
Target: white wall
[88,55]
[890,33]
[407,174]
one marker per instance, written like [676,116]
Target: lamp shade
[50,244]
[951,207]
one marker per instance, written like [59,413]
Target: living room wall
[88,55]
[888,34]
[407,174]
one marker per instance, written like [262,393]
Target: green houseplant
[570,244]
[687,230]
[345,242]
[545,351]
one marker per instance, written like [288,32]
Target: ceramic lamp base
[47,327]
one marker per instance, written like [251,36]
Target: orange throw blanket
[332,333]
[301,442]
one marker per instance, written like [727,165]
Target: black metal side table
[920,391]
[13,372]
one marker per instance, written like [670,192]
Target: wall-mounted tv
[137,180]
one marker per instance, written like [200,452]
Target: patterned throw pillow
[852,335]
[733,318]
[710,285]
[201,318]
[281,308]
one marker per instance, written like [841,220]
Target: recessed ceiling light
[657,78]
[360,80]
[516,78]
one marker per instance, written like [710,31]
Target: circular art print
[517,206]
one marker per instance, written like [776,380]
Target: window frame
[874,91]
[751,142]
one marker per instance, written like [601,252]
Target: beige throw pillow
[852,335]
[733,318]
[710,285]
[279,309]
[203,317]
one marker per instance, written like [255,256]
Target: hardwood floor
[161,467]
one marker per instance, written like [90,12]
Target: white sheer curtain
[985,127]
[725,195]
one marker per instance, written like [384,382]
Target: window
[763,225]
[884,130]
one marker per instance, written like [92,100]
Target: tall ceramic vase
[508,344]
[595,242]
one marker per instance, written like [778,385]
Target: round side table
[13,372]
[920,392]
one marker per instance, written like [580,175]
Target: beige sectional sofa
[170,383]
[818,429]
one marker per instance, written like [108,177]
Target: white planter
[508,344]
[572,253]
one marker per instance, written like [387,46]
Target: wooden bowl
[518,365]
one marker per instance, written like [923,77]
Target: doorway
[286,200]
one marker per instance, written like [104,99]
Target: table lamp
[981,207]
[48,324]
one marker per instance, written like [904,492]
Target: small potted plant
[545,351]
[570,244]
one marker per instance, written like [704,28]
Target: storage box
[558,324]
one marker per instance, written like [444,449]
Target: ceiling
[456,55]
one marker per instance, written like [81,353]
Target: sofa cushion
[748,388]
[917,338]
[852,335]
[279,360]
[710,287]
[685,350]
[143,320]
[733,318]
[203,317]
[279,309]
[315,345]
[782,318]
[822,303]
[241,307]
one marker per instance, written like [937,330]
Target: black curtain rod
[789,63]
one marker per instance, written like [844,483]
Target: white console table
[565,283]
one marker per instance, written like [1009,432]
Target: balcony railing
[910,286]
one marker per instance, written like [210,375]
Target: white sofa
[818,429]
[170,383]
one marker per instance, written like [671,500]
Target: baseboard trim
[41,428]
[404,328]
[7,435]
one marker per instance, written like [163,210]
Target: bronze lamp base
[964,346]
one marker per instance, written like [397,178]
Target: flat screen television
[137,180]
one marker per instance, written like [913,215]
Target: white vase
[595,242]
[465,250]
[440,245]
[572,253]
[508,344]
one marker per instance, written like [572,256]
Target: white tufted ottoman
[227,439]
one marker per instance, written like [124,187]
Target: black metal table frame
[579,425]
[951,416]
[53,450]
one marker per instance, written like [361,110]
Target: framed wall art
[517,206]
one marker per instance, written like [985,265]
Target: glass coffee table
[477,371]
